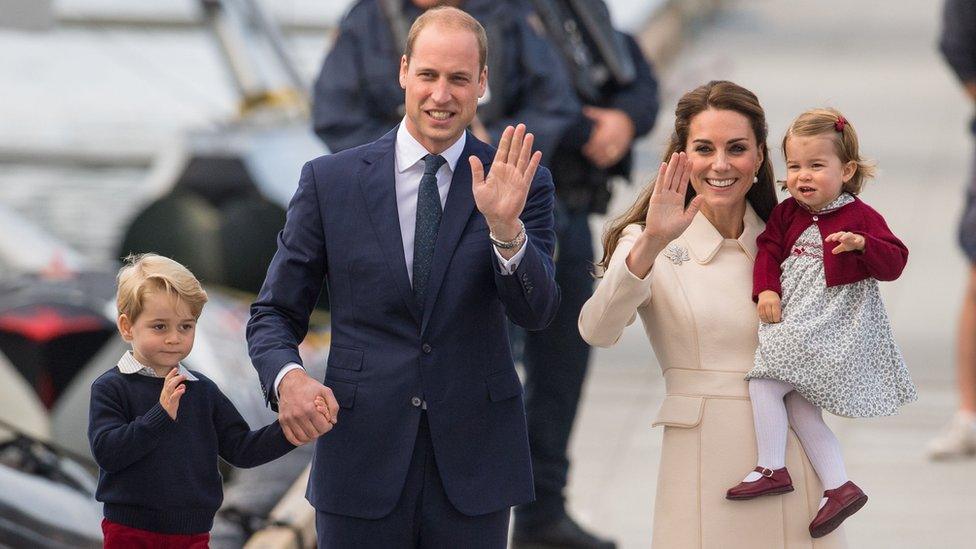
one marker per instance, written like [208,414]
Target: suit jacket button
[416,401]
[425,348]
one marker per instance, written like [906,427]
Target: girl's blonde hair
[830,122]
[145,274]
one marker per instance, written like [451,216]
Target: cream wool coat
[702,324]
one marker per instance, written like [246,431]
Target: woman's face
[724,157]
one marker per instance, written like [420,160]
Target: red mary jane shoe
[771,482]
[842,502]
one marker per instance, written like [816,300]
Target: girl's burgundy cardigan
[883,258]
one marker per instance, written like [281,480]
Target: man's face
[442,84]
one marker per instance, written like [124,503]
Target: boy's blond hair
[144,274]
[831,123]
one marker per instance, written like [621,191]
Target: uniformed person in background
[357,96]
[958,46]
[618,91]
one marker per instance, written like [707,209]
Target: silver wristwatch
[509,244]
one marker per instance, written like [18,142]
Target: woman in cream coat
[682,259]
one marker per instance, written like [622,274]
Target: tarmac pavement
[878,63]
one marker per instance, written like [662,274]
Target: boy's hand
[173,389]
[769,307]
[323,409]
[849,242]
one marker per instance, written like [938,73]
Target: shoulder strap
[594,17]
[398,24]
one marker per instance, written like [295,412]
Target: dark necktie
[428,220]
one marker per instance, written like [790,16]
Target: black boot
[563,533]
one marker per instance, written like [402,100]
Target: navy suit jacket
[342,229]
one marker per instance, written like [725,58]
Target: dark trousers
[422,518]
[555,361]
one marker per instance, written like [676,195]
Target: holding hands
[173,389]
[849,242]
[302,420]
[501,197]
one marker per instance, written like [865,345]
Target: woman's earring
[755,179]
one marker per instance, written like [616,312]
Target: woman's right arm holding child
[614,304]
[116,442]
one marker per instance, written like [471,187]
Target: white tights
[775,406]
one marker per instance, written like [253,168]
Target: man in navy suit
[425,257]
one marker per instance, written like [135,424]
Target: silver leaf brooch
[676,254]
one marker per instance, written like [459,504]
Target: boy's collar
[129,365]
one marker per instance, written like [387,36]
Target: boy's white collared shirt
[129,365]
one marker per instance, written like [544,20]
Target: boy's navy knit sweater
[161,475]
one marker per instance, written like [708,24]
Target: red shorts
[118,536]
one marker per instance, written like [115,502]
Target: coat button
[425,348]
[816,218]
[416,401]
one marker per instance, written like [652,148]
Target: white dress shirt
[409,155]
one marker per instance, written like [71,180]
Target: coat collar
[704,240]
[378,185]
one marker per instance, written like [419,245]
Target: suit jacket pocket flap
[345,393]
[345,358]
[680,411]
[504,385]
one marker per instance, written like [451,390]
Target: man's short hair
[452,18]
[146,274]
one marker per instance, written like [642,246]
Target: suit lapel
[378,185]
[457,212]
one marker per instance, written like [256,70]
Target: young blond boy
[156,428]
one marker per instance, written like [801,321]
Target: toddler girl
[824,340]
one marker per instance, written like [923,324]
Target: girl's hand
[769,307]
[667,217]
[173,389]
[849,242]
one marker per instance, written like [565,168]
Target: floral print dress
[834,345]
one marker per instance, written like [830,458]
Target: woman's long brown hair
[720,95]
